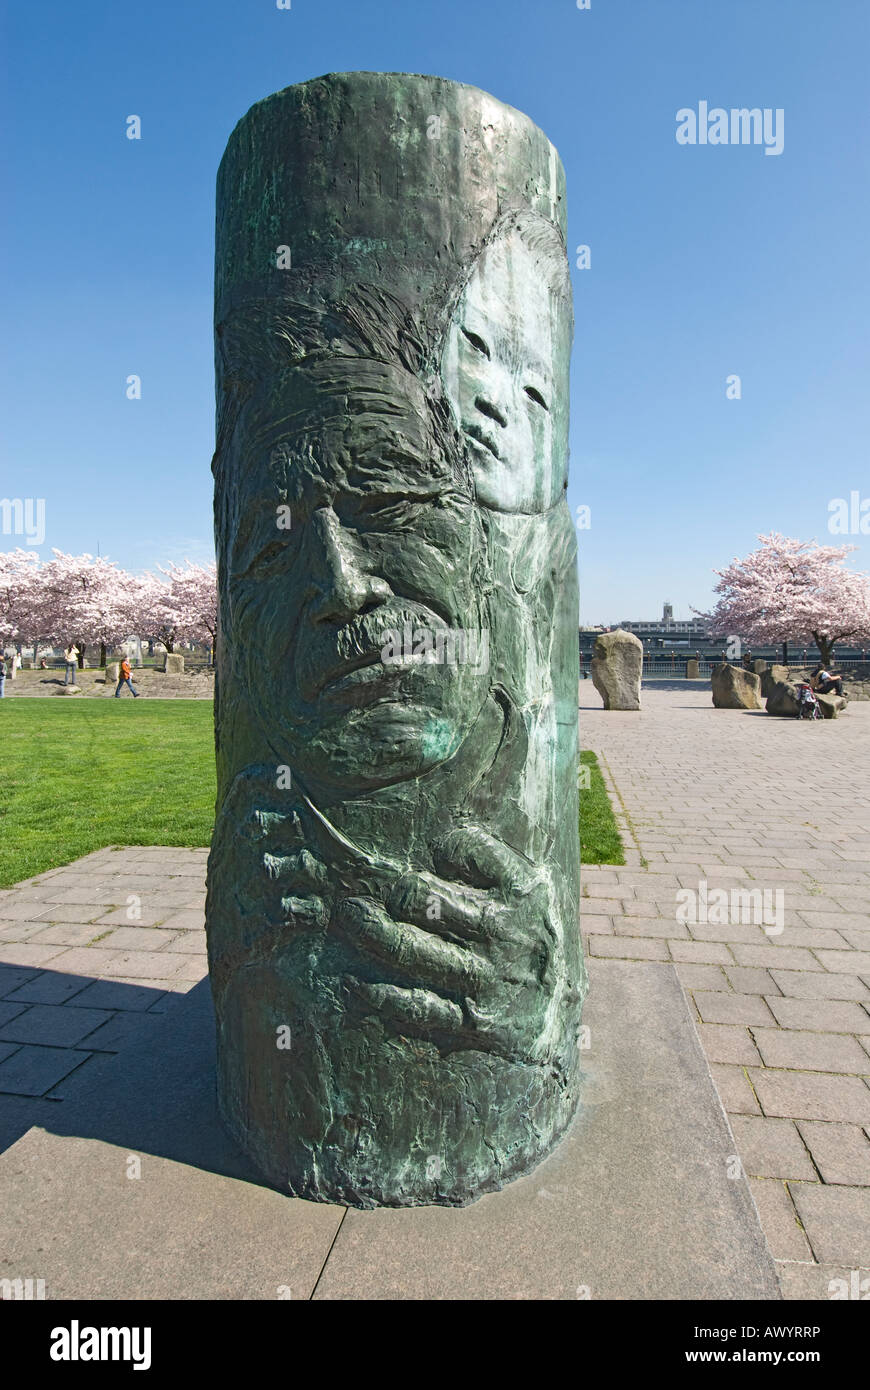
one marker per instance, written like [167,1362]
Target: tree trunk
[81,655]
[102,653]
[826,647]
[785,653]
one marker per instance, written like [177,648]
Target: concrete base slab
[636,1203]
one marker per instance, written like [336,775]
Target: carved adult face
[383,537]
[505,369]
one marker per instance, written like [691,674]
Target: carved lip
[352,671]
[374,674]
[481,437]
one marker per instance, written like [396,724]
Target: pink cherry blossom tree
[154,614]
[193,590]
[23,617]
[88,600]
[791,590]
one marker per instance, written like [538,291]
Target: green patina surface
[405,901]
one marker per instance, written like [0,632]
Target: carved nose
[491,411]
[344,589]
[348,595]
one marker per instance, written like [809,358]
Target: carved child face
[505,372]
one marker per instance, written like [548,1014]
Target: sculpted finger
[298,872]
[415,1008]
[439,905]
[426,958]
[478,858]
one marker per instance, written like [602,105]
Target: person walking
[70,656]
[125,680]
[2,676]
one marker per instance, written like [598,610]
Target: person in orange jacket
[125,680]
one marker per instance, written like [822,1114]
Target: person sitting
[824,682]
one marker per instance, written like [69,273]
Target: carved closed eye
[476,342]
[536,396]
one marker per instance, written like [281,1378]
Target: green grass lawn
[600,841]
[78,775]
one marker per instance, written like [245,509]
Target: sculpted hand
[472,952]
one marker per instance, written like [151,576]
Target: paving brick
[820,1015]
[628,947]
[804,1282]
[779,957]
[193,967]
[19,931]
[811,1051]
[49,987]
[779,1220]
[13,976]
[647,926]
[814,985]
[28,953]
[850,962]
[32,1071]
[10,1011]
[117,994]
[70,912]
[810,937]
[194,943]
[735,1092]
[812,1095]
[702,977]
[601,907]
[701,952]
[600,926]
[744,1009]
[730,932]
[746,979]
[66,934]
[836,1220]
[841,1152]
[771,1148]
[17,909]
[124,1030]
[135,914]
[136,939]
[859,939]
[54,1025]
[723,1043]
[129,964]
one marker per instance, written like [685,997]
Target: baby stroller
[808,705]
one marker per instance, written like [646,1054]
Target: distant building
[667,627]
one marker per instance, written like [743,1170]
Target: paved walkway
[88,955]
[739,800]
[93,953]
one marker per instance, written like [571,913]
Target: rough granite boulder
[617,669]
[173,664]
[735,688]
[831,705]
[773,676]
[782,697]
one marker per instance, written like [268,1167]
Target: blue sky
[705,260]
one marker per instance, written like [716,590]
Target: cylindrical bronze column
[394,880]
